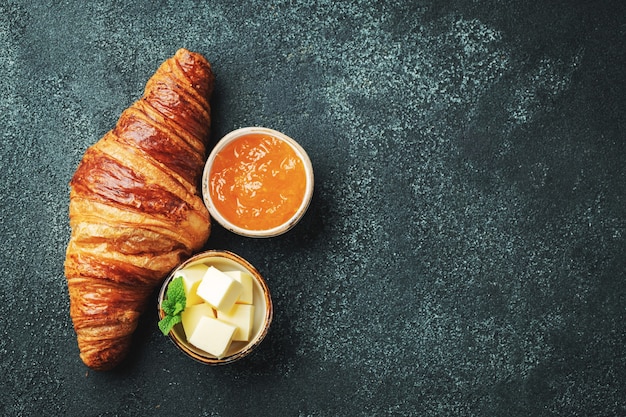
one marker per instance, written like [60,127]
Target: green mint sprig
[173,305]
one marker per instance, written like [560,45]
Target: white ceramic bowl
[249,232]
[263,310]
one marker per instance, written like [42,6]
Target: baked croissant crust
[135,210]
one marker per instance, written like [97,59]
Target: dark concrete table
[464,253]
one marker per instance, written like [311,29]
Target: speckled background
[465,251]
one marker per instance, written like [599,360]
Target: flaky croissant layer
[135,207]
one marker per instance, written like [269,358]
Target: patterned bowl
[263,310]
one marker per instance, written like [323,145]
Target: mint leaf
[167,322]
[178,308]
[168,306]
[176,291]
[173,305]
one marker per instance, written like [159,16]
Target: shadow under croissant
[142,338]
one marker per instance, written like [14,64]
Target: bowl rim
[267,319]
[259,233]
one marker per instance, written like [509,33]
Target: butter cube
[218,289]
[212,336]
[246,280]
[242,316]
[192,275]
[192,314]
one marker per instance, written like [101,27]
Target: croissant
[135,210]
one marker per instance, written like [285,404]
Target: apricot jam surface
[257,182]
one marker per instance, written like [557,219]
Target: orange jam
[257,182]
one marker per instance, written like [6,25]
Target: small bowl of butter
[257,182]
[227,307]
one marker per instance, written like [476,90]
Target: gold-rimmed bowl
[263,309]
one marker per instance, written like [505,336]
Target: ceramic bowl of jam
[201,329]
[257,182]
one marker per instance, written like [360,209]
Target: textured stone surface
[464,253]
